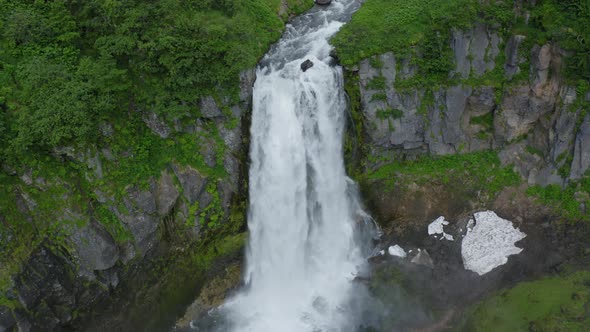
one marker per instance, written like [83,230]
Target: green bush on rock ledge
[482,169]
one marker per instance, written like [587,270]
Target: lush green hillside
[557,303]
[423,27]
[66,64]
[71,68]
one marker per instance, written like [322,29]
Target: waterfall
[305,221]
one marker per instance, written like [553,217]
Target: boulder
[305,65]
[323,2]
[45,287]
[192,182]
[95,248]
[142,220]
[166,194]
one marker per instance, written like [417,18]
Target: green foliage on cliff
[567,22]
[415,26]
[82,74]
[556,303]
[480,168]
[66,64]
[421,31]
[567,201]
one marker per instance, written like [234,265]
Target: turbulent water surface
[305,221]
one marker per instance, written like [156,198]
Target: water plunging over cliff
[304,218]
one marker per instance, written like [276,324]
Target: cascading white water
[303,251]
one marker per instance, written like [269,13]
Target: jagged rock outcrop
[581,160]
[532,121]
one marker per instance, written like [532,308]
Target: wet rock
[232,138]
[192,182]
[95,248]
[541,58]
[247,78]
[46,287]
[512,58]
[141,220]
[226,191]
[143,228]
[481,102]
[208,151]
[474,50]
[460,46]
[7,320]
[166,194]
[482,43]
[519,112]
[212,295]
[456,99]
[141,201]
[94,163]
[323,2]
[388,67]
[439,142]
[305,65]
[515,155]
[205,199]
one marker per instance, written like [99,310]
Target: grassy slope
[481,168]
[556,303]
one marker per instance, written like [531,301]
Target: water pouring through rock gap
[309,236]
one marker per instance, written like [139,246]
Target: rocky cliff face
[505,98]
[531,119]
[107,236]
[504,94]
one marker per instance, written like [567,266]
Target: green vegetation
[567,201]
[486,120]
[480,168]
[399,25]
[566,22]
[535,151]
[65,65]
[377,83]
[353,139]
[79,77]
[420,30]
[389,113]
[556,303]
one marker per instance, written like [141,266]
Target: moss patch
[570,202]
[558,303]
[483,169]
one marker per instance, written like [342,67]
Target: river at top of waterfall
[305,222]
